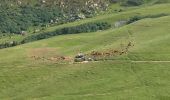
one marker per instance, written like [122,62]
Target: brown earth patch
[110,52]
[47,54]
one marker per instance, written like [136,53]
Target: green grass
[23,78]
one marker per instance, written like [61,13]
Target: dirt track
[150,61]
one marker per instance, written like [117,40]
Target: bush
[136,18]
[133,2]
[9,44]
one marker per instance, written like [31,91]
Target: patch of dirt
[47,54]
[53,59]
[147,61]
[60,58]
[111,52]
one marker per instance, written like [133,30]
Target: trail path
[147,61]
[94,94]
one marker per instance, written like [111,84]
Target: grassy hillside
[18,16]
[141,74]
[110,17]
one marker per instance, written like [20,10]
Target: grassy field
[141,74]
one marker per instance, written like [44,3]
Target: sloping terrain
[140,74]
[17,16]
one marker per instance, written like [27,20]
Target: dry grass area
[47,55]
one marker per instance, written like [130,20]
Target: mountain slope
[21,15]
[18,16]
[124,77]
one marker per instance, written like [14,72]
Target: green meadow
[141,74]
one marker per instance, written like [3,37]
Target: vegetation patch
[89,27]
[132,2]
[9,44]
[136,18]
[20,15]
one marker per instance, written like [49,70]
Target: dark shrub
[134,19]
[133,2]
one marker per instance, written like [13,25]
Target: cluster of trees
[20,19]
[90,27]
